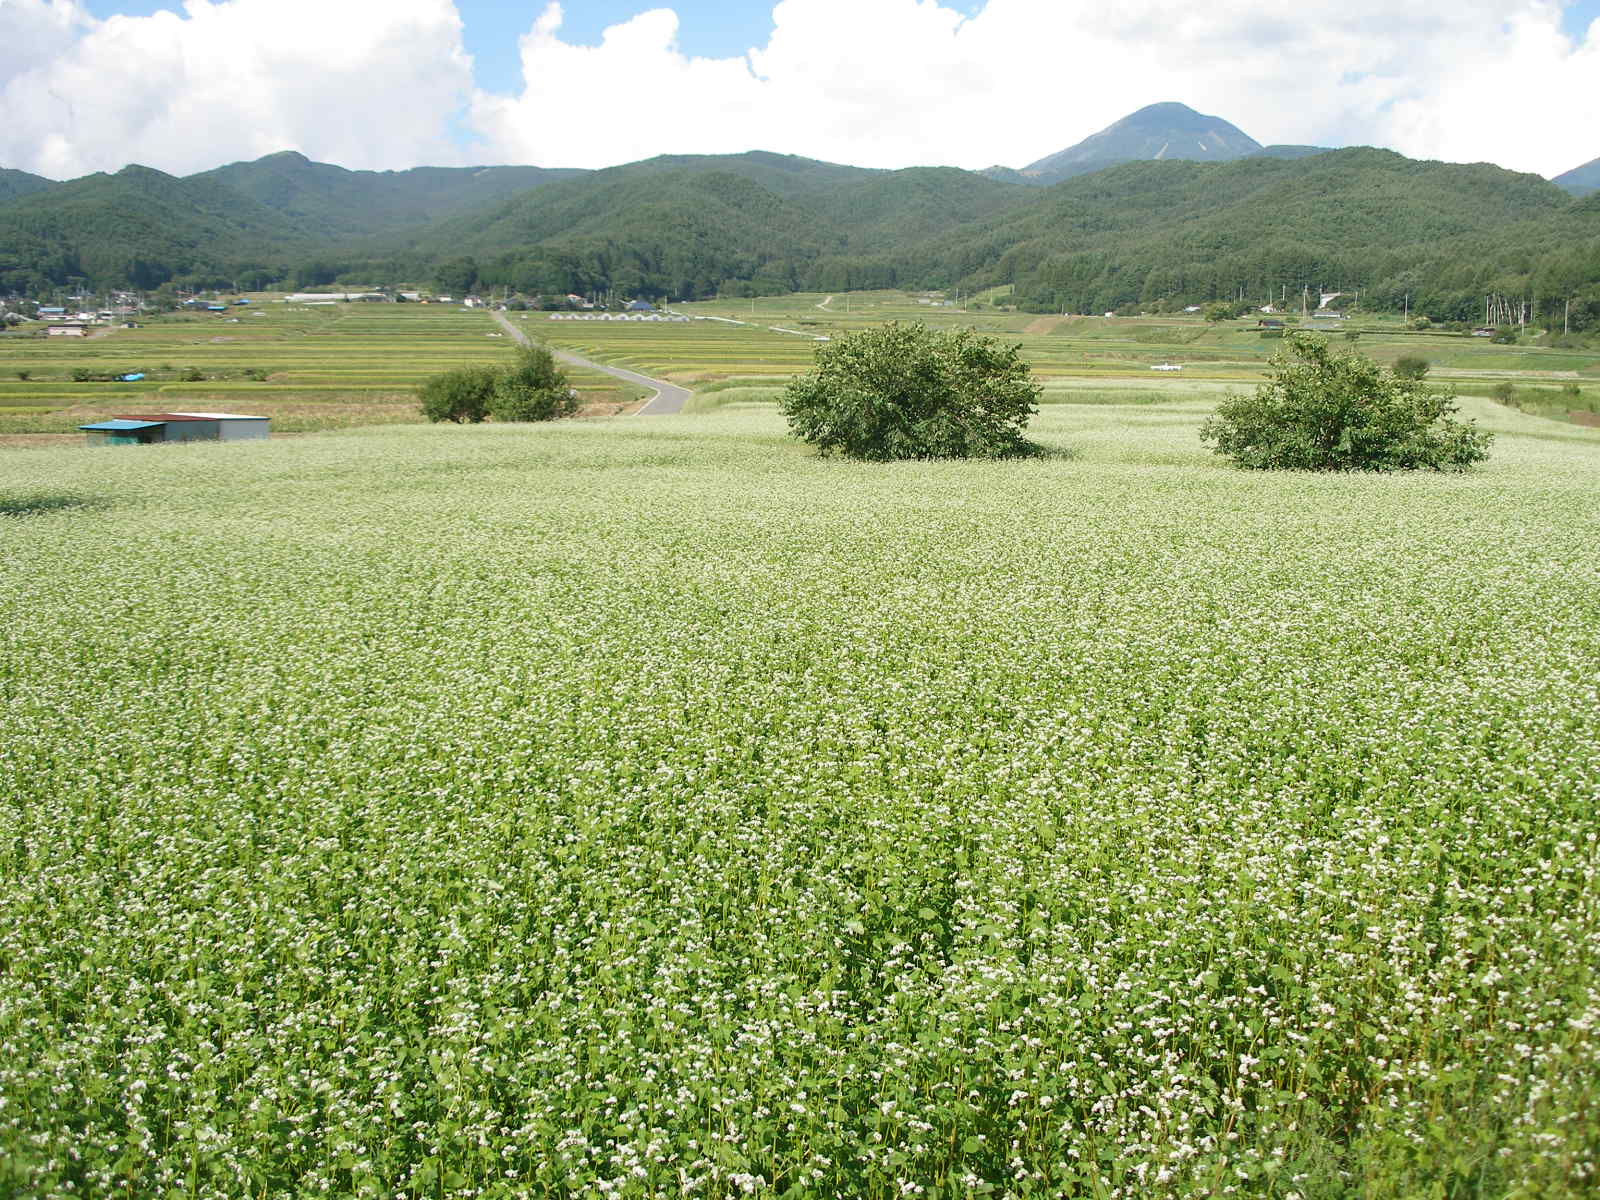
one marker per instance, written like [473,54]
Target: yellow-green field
[327,367]
[744,350]
[309,368]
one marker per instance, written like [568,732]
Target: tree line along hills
[1163,208]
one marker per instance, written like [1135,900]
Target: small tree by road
[1322,411]
[904,391]
[533,388]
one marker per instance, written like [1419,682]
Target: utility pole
[1566,319]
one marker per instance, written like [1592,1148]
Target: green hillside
[16,184]
[329,200]
[686,225]
[1436,236]
[1346,219]
[140,227]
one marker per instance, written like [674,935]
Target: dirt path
[669,398]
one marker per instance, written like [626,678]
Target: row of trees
[908,392]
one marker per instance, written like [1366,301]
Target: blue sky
[707,28]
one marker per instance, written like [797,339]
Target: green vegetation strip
[651,809]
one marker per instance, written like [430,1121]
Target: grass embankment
[650,808]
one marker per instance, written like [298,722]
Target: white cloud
[364,83]
[380,83]
[897,82]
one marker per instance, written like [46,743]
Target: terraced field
[758,344]
[341,365]
[308,368]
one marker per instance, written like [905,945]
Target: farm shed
[122,432]
[68,331]
[147,428]
[232,427]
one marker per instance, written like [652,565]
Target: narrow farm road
[669,398]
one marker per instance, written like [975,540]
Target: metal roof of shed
[210,416]
[123,425]
[162,418]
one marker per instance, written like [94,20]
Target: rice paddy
[644,807]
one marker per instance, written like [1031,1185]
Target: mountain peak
[1580,181]
[1157,131]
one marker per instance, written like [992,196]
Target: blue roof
[123,426]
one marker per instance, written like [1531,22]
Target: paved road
[669,397]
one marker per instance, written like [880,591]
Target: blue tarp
[134,378]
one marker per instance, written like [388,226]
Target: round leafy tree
[534,389]
[905,391]
[459,395]
[1321,411]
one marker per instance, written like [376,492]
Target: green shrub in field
[1322,411]
[1411,366]
[460,395]
[905,391]
[535,389]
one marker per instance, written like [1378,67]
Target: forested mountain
[329,201]
[684,225]
[1347,219]
[1580,181]
[1158,131]
[1288,151]
[16,184]
[1268,222]
[139,227]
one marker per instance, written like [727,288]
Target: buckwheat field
[648,808]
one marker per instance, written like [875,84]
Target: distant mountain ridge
[16,184]
[1580,181]
[1253,221]
[335,200]
[1164,131]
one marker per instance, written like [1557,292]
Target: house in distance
[143,429]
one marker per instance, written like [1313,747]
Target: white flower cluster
[654,810]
